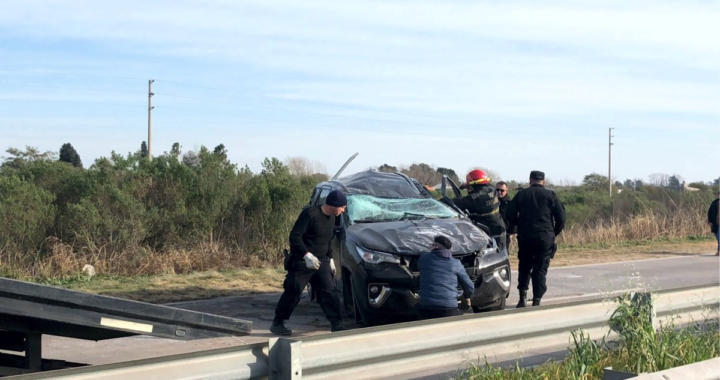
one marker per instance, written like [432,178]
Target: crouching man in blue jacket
[440,274]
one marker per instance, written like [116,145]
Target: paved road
[564,284]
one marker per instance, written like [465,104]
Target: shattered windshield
[371,209]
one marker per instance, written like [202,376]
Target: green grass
[639,348]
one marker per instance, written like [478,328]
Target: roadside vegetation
[195,211]
[637,348]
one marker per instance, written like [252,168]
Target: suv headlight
[374,257]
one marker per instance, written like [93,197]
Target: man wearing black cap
[539,217]
[311,261]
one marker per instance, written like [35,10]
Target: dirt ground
[250,281]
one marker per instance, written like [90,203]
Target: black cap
[443,242]
[537,174]
[336,199]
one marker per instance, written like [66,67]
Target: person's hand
[332,266]
[465,303]
[311,261]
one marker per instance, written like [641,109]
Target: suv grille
[468,261]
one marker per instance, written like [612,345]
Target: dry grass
[62,261]
[650,226]
[211,270]
[210,284]
[172,288]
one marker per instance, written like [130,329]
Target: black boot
[278,328]
[336,325]
[536,301]
[523,297]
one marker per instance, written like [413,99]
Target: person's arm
[710,215]
[458,202]
[558,214]
[298,231]
[512,214]
[464,280]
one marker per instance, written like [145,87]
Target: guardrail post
[645,300]
[285,359]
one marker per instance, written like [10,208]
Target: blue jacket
[440,274]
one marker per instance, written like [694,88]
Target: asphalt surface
[565,284]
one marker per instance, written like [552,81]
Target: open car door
[456,192]
[345,165]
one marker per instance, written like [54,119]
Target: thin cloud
[523,66]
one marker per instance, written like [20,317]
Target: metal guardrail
[401,348]
[704,370]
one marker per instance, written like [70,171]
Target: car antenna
[344,166]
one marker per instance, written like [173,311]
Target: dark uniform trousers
[534,255]
[424,313]
[321,280]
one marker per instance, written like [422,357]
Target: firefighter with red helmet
[482,204]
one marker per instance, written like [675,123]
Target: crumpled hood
[415,236]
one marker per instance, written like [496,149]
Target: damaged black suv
[390,220]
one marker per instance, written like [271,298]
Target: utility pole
[610,144]
[150,108]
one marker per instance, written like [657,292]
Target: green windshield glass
[368,208]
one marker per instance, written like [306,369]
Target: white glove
[332,266]
[311,261]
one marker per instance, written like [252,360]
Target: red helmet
[476,177]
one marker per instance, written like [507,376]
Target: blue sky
[512,86]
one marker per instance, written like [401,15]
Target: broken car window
[371,209]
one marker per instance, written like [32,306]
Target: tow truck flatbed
[28,310]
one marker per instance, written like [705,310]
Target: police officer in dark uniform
[482,204]
[311,261]
[540,218]
[504,197]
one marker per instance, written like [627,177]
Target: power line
[70,88]
[346,106]
[355,117]
[71,74]
[322,103]
[69,102]
[494,138]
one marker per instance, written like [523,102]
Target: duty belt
[495,211]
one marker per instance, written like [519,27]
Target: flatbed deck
[28,311]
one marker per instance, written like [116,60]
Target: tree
[144,152]
[387,168]
[303,166]
[629,183]
[674,181]
[424,173]
[658,179]
[175,151]
[70,155]
[21,157]
[220,151]
[618,184]
[450,173]
[595,181]
[191,159]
